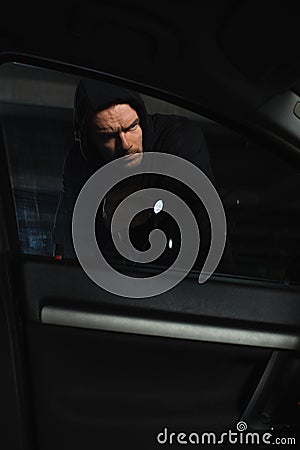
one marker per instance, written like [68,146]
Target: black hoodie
[172,134]
[92,96]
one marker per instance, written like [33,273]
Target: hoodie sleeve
[183,137]
[62,228]
[75,174]
[197,152]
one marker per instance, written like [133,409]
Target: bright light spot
[170,243]
[158,206]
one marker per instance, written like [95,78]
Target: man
[111,122]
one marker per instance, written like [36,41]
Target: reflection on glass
[51,155]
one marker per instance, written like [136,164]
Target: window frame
[249,130]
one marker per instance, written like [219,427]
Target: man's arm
[62,228]
[185,138]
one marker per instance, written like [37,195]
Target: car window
[257,187]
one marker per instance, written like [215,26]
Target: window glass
[257,187]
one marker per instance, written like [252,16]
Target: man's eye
[134,127]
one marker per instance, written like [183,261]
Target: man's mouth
[132,159]
[131,155]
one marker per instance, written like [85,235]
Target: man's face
[116,132]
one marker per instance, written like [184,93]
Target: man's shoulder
[176,130]
[166,123]
[75,161]
[171,119]
[75,169]
[73,156]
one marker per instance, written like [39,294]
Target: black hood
[92,96]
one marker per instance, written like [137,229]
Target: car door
[197,364]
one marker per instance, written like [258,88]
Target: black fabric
[171,134]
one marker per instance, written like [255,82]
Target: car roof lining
[221,55]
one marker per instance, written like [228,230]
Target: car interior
[84,368]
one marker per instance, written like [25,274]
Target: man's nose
[124,141]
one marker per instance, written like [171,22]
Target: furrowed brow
[135,122]
[109,132]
